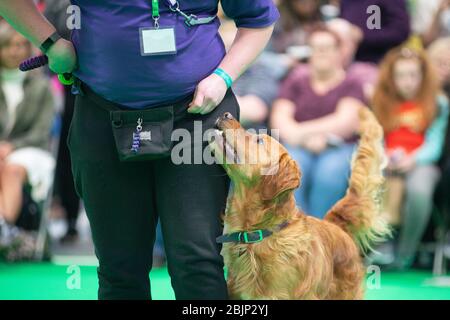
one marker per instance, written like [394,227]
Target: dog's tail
[359,212]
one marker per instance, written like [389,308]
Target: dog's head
[255,161]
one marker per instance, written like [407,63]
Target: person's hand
[406,164]
[315,143]
[208,95]
[253,109]
[5,149]
[62,57]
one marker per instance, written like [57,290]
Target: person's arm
[343,122]
[435,28]
[283,119]
[255,23]
[252,109]
[26,19]
[246,47]
[431,149]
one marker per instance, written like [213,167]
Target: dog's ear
[282,177]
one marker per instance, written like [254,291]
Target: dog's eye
[259,140]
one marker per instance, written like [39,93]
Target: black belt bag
[139,134]
[143,134]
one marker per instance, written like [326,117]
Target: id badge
[157,41]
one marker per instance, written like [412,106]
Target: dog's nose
[225,116]
[228,116]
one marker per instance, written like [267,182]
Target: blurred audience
[317,114]
[27,112]
[414,116]
[298,19]
[363,72]
[430,19]
[439,53]
[394,26]
[26,116]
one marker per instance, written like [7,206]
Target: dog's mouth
[224,147]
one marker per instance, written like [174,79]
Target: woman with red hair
[414,117]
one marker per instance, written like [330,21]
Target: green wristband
[225,76]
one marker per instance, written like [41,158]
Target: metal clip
[189,19]
[156,23]
[196,21]
[139,125]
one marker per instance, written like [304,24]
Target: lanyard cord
[155,9]
[174,6]
[155,12]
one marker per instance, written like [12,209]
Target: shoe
[384,254]
[70,237]
[16,244]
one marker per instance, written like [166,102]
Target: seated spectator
[439,53]
[393,30]
[414,117]
[430,19]
[364,72]
[26,115]
[317,115]
[350,36]
[298,19]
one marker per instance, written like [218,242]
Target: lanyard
[189,19]
[155,12]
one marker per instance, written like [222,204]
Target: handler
[147,55]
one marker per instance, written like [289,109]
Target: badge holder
[157,40]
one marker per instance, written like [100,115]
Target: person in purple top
[317,113]
[394,27]
[138,55]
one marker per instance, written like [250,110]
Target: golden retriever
[276,250]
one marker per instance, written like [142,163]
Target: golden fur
[311,258]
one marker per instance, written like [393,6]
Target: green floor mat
[50,281]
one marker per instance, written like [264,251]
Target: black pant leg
[190,199]
[63,181]
[119,203]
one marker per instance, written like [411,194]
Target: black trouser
[124,199]
[64,187]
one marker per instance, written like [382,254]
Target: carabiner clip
[194,20]
[156,23]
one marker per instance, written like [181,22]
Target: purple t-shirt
[109,54]
[310,105]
